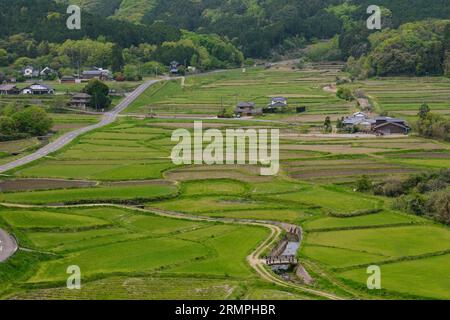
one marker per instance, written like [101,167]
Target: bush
[249,62]
[119,77]
[431,186]
[153,68]
[390,188]
[431,125]
[439,206]
[345,94]
[325,51]
[7,126]
[364,184]
[32,120]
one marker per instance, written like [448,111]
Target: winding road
[64,140]
[8,246]
[254,259]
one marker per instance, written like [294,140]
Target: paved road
[8,246]
[62,141]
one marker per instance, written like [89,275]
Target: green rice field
[144,228]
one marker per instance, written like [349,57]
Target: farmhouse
[80,100]
[387,125]
[246,109]
[359,121]
[67,79]
[96,73]
[380,125]
[278,102]
[30,72]
[38,89]
[8,89]
[174,67]
[47,72]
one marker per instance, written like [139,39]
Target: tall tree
[99,94]
[117,61]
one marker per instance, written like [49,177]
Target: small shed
[7,89]
[67,79]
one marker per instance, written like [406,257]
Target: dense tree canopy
[99,94]
[20,122]
[213,34]
[418,48]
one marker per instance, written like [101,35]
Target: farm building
[46,72]
[96,73]
[67,79]
[380,125]
[359,120]
[246,109]
[38,89]
[30,72]
[80,100]
[387,126]
[174,67]
[277,103]
[8,89]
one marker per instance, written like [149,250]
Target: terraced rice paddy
[107,241]
[136,254]
[208,95]
[404,95]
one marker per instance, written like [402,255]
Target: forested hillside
[34,33]
[258,27]
[96,7]
[177,29]
[46,20]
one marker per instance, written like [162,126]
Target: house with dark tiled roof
[378,125]
[80,100]
[278,103]
[67,79]
[96,73]
[388,125]
[246,109]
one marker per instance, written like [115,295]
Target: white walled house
[38,89]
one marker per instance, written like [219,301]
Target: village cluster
[78,100]
[358,122]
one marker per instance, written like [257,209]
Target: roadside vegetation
[20,123]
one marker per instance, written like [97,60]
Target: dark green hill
[46,20]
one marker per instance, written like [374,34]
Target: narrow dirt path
[254,259]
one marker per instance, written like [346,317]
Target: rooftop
[81,95]
[7,87]
[246,104]
[279,99]
[39,86]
